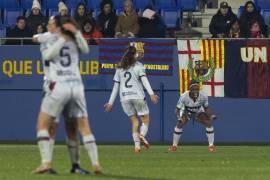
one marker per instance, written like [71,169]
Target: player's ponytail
[128,59]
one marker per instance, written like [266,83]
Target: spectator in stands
[81,14]
[19,31]
[235,30]
[90,32]
[221,22]
[255,30]
[35,18]
[41,29]
[249,15]
[107,19]
[62,9]
[128,23]
[151,24]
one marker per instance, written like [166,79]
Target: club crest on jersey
[201,70]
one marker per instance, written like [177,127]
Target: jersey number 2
[65,57]
[128,76]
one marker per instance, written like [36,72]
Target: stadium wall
[239,120]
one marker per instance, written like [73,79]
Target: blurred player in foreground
[193,105]
[64,89]
[129,80]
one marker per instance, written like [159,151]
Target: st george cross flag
[202,50]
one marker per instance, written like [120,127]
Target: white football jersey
[64,67]
[185,102]
[130,84]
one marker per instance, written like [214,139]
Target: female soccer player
[129,80]
[64,89]
[193,105]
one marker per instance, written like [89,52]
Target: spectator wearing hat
[35,18]
[81,14]
[90,32]
[249,15]
[128,23]
[19,31]
[107,19]
[221,22]
[62,9]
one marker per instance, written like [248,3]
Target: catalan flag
[202,50]
[158,57]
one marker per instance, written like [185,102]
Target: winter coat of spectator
[19,31]
[249,15]
[221,22]
[62,9]
[235,30]
[35,18]
[151,24]
[81,14]
[107,19]
[255,30]
[127,23]
[91,32]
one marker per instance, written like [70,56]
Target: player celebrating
[64,90]
[129,80]
[193,104]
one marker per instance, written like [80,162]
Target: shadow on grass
[105,176]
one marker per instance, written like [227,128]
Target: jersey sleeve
[205,101]
[117,76]
[141,70]
[180,103]
[42,38]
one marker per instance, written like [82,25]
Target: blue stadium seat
[240,11]
[3,31]
[165,4]
[141,4]
[187,5]
[50,4]
[118,4]
[26,4]
[93,4]
[263,4]
[28,11]
[96,12]
[9,4]
[119,11]
[72,4]
[266,15]
[10,16]
[53,12]
[171,17]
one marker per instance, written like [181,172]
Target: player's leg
[142,110]
[73,145]
[52,133]
[178,130]
[89,143]
[135,125]
[207,122]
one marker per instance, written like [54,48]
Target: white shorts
[135,107]
[66,98]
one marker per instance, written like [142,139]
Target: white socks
[136,140]
[143,129]
[210,135]
[176,135]
[74,150]
[52,142]
[44,146]
[91,148]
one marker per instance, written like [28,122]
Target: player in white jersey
[72,140]
[64,90]
[130,77]
[193,105]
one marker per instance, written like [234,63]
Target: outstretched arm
[81,43]
[147,86]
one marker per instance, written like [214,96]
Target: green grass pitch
[119,162]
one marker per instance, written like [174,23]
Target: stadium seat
[26,4]
[263,4]
[165,4]
[9,4]
[171,17]
[53,12]
[2,32]
[50,4]
[240,11]
[96,12]
[10,16]
[141,4]
[266,15]
[118,4]
[187,5]
[72,4]
[93,4]
[119,11]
